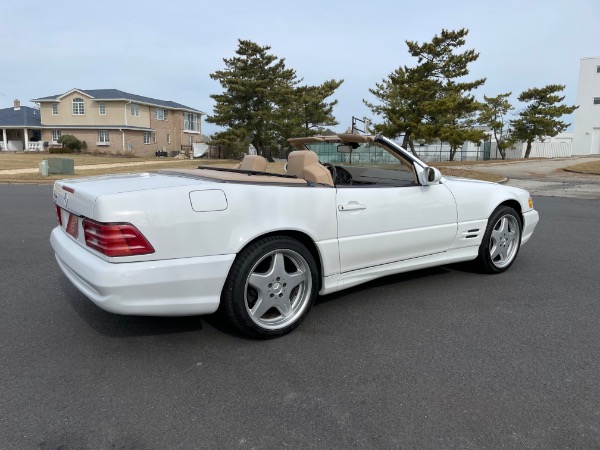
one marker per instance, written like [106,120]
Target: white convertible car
[260,245]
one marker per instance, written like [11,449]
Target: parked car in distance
[260,246]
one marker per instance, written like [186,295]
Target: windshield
[371,154]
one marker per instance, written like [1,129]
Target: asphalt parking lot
[439,358]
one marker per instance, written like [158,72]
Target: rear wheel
[501,241]
[270,287]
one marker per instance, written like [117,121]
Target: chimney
[17,105]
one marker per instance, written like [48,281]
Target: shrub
[71,142]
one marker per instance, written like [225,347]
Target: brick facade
[116,117]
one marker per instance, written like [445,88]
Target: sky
[168,49]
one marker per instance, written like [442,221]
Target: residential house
[586,126]
[114,121]
[21,128]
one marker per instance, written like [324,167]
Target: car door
[380,224]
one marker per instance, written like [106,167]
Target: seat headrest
[305,164]
[253,162]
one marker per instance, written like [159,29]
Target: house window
[168,138]
[146,137]
[103,137]
[102,108]
[154,138]
[54,109]
[596,100]
[160,114]
[78,108]
[191,121]
[597,69]
[135,109]
[55,135]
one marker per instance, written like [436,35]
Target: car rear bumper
[530,220]
[174,287]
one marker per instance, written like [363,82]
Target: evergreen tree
[493,114]
[231,143]
[307,112]
[430,101]
[541,117]
[263,103]
[255,85]
[315,113]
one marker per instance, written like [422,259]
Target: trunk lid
[78,195]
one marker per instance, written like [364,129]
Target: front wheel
[501,241]
[270,287]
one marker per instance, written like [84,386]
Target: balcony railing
[35,146]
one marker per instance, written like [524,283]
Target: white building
[586,129]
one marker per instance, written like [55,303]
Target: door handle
[352,206]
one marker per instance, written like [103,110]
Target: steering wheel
[332,170]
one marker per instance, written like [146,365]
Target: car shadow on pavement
[116,325]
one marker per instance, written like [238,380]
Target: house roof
[23,117]
[115,94]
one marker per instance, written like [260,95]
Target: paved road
[440,358]
[547,177]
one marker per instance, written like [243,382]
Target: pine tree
[263,102]
[541,117]
[255,85]
[493,114]
[315,113]
[430,101]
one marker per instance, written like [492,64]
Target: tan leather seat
[253,162]
[305,164]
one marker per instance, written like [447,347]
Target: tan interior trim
[234,176]
[343,137]
[360,138]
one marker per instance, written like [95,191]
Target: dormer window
[78,108]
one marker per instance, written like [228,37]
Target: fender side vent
[475,230]
[470,236]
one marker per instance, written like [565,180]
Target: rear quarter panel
[168,220]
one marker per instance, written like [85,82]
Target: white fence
[470,151]
[548,150]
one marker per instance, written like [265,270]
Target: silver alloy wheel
[278,289]
[504,240]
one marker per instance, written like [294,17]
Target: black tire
[501,241]
[270,288]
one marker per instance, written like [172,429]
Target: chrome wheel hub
[278,289]
[504,241]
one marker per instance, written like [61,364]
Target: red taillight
[115,239]
[59,214]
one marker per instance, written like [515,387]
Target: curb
[566,169]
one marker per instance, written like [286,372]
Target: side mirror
[432,175]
